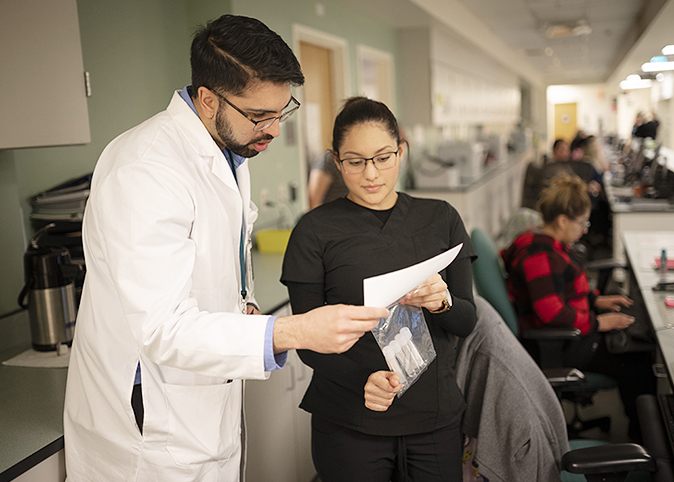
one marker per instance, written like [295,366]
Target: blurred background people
[325,181]
[550,288]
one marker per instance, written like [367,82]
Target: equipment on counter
[50,288]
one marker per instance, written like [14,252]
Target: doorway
[324,61]
[375,75]
[319,102]
[566,124]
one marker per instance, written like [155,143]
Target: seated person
[550,288]
[325,181]
[581,164]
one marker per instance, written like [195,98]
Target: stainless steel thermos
[50,289]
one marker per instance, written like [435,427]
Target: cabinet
[42,88]
[278,431]
[444,80]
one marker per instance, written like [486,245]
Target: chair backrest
[489,279]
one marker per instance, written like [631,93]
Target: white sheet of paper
[386,289]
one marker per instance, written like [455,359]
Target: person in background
[561,152]
[595,153]
[168,326]
[638,121]
[325,181]
[647,129]
[572,160]
[360,429]
[550,288]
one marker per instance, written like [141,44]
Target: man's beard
[224,130]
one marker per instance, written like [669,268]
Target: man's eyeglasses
[356,165]
[262,124]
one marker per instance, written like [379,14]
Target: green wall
[137,53]
[279,165]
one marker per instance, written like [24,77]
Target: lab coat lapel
[196,134]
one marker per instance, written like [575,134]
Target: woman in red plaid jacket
[549,288]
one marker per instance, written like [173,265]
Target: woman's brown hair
[565,195]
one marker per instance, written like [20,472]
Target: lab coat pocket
[203,426]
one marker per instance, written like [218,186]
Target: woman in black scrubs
[360,429]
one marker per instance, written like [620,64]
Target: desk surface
[31,399]
[642,248]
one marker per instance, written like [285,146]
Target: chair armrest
[564,377]
[606,459]
[600,264]
[546,334]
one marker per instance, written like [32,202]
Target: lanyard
[242,257]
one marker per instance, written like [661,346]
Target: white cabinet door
[305,464]
[42,90]
[278,431]
[270,430]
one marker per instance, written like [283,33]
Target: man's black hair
[232,50]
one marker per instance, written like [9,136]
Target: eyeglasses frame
[396,152]
[584,224]
[284,116]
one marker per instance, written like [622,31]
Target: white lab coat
[161,240]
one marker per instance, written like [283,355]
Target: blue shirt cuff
[271,361]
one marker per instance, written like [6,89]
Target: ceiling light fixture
[635,82]
[561,30]
[668,50]
[657,66]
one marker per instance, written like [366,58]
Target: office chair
[490,283]
[496,374]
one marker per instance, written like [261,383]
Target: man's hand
[612,302]
[380,390]
[328,329]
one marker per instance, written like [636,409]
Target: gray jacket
[511,410]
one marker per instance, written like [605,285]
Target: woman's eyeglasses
[356,165]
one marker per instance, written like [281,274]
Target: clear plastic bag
[406,343]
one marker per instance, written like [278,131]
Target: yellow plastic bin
[272,240]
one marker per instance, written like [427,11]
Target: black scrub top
[331,251]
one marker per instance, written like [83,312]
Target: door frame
[376,55]
[341,86]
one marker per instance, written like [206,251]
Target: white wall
[594,108]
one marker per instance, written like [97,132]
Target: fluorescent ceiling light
[657,66]
[561,30]
[668,50]
[635,82]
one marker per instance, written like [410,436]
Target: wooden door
[566,124]
[319,104]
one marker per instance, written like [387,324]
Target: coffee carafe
[50,289]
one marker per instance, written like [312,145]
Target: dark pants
[137,405]
[344,455]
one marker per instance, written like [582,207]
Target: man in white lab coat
[168,311]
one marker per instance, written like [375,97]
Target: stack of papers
[64,202]
[62,205]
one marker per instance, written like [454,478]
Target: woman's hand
[613,321]
[612,302]
[430,294]
[380,390]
